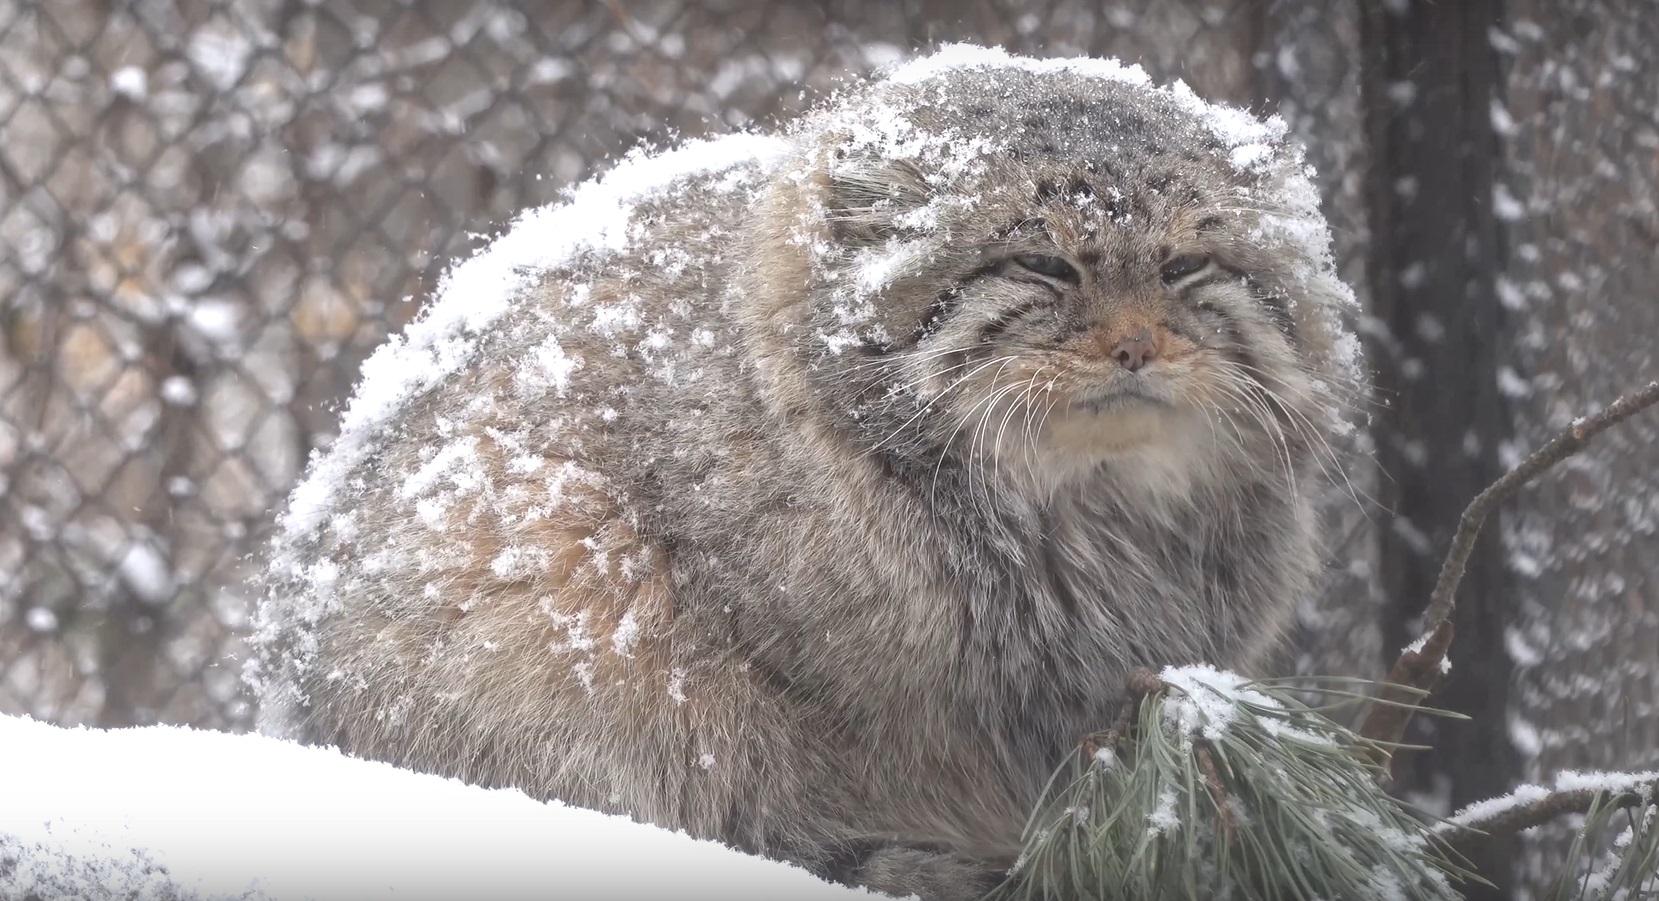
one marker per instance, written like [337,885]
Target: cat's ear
[868,197]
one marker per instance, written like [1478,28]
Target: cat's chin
[1097,427]
[1146,445]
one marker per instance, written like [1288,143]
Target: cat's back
[471,551]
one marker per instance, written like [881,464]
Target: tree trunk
[1429,82]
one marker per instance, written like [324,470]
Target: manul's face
[1071,295]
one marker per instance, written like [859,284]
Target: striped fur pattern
[828,516]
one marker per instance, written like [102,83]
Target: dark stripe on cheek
[1277,306]
[941,308]
[990,330]
[1234,347]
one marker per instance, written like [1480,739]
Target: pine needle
[1619,853]
[1222,788]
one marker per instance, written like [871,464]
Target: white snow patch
[234,814]
[458,459]
[876,269]
[1417,645]
[625,635]
[951,57]
[1208,701]
[1506,206]
[145,572]
[1163,818]
[178,391]
[130,82]
[1524,736]
[520,562]
[1247,156]
[41,619]
[1206,704]
[1522,651]
[220,53]
[1511,384]
[550,367]
[1502,122]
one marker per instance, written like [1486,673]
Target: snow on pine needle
[1215,786]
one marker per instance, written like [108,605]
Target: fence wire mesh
[210,212]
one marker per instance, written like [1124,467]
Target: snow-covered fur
[815,493]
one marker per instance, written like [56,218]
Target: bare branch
[1421,665]
[1217,789]
[1418,667]
[1443,600]
[1140,683]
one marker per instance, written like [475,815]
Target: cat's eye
[1177,268]
[1048,266]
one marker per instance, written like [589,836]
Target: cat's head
[1043,267]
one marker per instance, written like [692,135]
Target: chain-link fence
[211,212]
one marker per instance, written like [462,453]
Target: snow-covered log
[166,812]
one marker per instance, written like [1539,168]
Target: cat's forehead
[1099,146]
[1056,115]
[1102,211]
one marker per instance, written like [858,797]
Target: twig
[1141,682]
[1569,442]
[1418,667]
[1421,665]
[1216,788]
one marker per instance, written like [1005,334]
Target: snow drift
[167,812]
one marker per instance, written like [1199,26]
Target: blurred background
[210,212]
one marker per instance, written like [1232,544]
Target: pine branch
[1211,785]
[1420,665]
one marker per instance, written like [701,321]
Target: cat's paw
[931,875]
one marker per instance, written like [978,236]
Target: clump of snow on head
[952,57]
[1250,141]
[475,294]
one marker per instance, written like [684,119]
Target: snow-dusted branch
[1533,805]
[1420,665]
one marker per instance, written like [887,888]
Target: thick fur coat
[825,506]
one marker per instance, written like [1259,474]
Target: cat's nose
[1135,351]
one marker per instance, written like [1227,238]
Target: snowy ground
[166,812]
